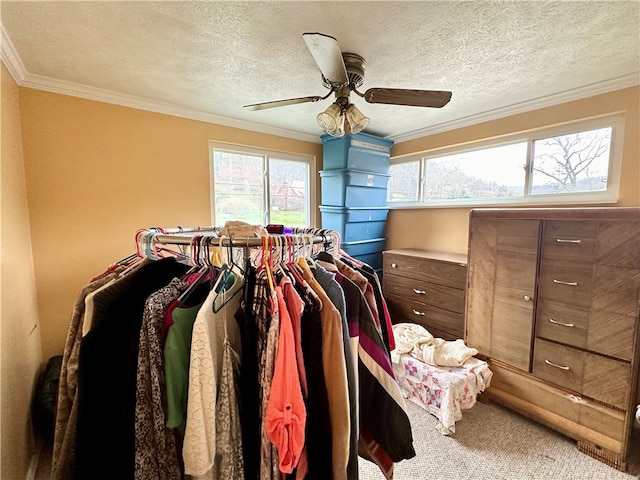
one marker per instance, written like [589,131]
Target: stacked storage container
[354,183]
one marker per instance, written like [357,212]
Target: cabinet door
[502,266]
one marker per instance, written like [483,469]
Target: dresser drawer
[404,310]
[575,239]
[425,269]
[600,331]
[591,375]
[433,294]
[566,280]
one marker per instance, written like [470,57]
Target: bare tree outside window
[570,163]
[578,162]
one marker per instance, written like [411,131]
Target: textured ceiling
[210,58]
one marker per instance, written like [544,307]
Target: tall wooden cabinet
[553,303]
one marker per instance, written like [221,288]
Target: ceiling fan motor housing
[354,65]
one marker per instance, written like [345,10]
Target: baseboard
[33,463]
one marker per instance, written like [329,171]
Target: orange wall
[20,346]
[96,173]
[446,228]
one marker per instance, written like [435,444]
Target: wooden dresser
[553,304]
[428,288]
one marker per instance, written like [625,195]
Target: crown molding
[625,81]
[10,57]
[101,95]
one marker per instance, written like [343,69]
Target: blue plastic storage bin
[374,260]
[364,247]
[360,151]
[354,188]
[354,224]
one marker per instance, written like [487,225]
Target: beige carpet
[490,443]
[493,443]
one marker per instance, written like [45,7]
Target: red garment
[286,414]
[167,321]
[295,307]
[387,319]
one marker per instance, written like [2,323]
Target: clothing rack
[130,301]
[210,235]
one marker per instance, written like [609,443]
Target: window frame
[608,196]
[266,155]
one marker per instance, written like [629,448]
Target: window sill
[556,200]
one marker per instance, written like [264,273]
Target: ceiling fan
[343,73]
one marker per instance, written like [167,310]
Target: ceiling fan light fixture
[332,120]
[328,119]
[340,126]
[356,120]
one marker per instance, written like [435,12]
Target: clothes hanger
[202,261]
[231,255]
[293,272]
[141,241]
[279,257]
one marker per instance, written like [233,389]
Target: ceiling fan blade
[327,54]
[281,103]
[414,98]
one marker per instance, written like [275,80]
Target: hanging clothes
[335,370]
[286,414]
[257,376]
[63,457]
[214,328]
[156,454]
[336,294]
[318,434]
[380,442]
[107,373]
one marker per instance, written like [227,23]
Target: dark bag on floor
[43,407]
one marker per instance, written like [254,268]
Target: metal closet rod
[184,236]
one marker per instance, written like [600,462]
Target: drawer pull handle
[419,292]
[527,298]
[564,240]
[561,367]
[394,265]
[555,322]
[420,314]
[560,282]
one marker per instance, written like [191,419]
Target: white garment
[199,446]
[88,306]
[443,353]
[416,340]
[406,334]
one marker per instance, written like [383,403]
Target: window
[577,163]
[404,181]
[465,175]
[260,187]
